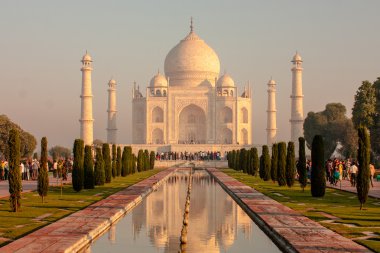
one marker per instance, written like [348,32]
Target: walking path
[288,229]
[30,185]
[346,186]
[74,232]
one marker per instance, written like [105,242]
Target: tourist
[372,173]
[353,170]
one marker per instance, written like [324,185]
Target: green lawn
[351,222]
[15,225]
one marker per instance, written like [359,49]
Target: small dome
[297,57]
[112,81]
[272,82]
[225,81]
[86,57]
[158,81]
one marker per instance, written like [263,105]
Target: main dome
[192,63]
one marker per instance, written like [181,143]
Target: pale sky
[42,43]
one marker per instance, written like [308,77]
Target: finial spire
[191,24]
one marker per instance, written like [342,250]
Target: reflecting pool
[216,222]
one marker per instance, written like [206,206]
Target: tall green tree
[129,164]
[78,173]
[281,169]
[266,163]
[140,160]
[290,164]
[152,159]
[318,177]
[255,162]
[274,162]
[107,162]
[27,141]
[114,170]
[118,161]
[100,177]
[301,165]
[362,182]
[233,159]
[364,108]
[88,167]
[249,161]
[134,163]
[334,126]
[124,162]
[375,129]
[43,177]
[59,152]
[14,176]
[237,160]
[146,160]
[243,160]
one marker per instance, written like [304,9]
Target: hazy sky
[42,43]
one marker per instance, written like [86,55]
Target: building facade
[191,103]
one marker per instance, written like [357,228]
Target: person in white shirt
[353,171]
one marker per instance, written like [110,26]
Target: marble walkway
[345,185]
[291,230]
[77,230]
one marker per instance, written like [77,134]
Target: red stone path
[72,233]
[290,229]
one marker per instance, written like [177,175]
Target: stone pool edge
[282,224]
[76,231]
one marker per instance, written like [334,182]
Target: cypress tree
[43,177]
[261,167]
[100,177]
[255,162]
[77,173]
[318,178]
[129,158]
[140,161]
[243,160]
[107,162]
[118,162]
[290,164]
[301,165]
[249,161]
[114,172]
[134,163]
[266,165]
[14,175]
[237,160]
[152,158]
[362,181]
[146,160]
[274,162]
[88,167]
[233,159]
[124,162]
[281,161]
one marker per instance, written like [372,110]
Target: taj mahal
[191,104]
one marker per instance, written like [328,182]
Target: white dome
[158,81]
[297,57]
[192,63]
[86,57]
[225,81]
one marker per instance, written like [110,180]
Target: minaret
[271,113]
[111,126]
[86,120]
[296,119]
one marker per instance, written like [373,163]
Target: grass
[14,225]
[343,205]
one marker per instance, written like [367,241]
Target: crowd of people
[189,156]
[29,168]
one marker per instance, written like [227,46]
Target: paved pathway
[77,230]
[30,185]
[291,230]
[346,186]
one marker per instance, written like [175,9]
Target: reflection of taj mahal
[191,103]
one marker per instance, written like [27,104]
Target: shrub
[364,148]
[43,177]
[88,167]
[243,160]
[114,161]
[14,176]
[255,162]
[146,160]
[77,173]
[118,162]
[124,162]
[140,160]
[281,175]
[100,177]
[274,162]
[107,162]
[301,165]
[290,164]
[318,179]
[266,163]
[152,158]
